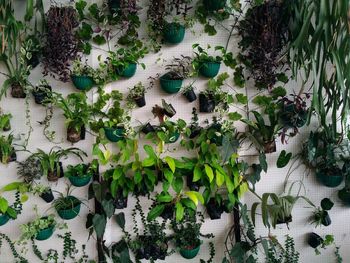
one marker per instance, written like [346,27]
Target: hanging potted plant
[80,175]
[125,60]
[8,212]
[329,174]
[214,207]
[320,215]
[82,75]
[5,121]
[178,70]
[114,5]
[208,66]
[50,162]
[187,235]
[42,92]
[188,92]
[67,206]
[43,191]
[147,128]
[137,95]
[7,151]
[194,128]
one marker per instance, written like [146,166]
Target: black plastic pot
[121,202]
[214,209]
[195,132]
[190,95]
[114,5]
[326,220]
[40,96]
[286,220]
[34,60]
[206,104]
[140,101]
[314,240]
[344,195]
[193,186]
[168,212]
[47,196]
[13,157]
[170,113]
[147,128]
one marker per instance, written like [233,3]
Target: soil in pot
[209,69]
[206,103]
[190,253]
[53,176]
[42,94]
[174,33]
[270,147]
[47,196]
[141,101]
[214,209]
[75,135]
[190,95]
[83,83]
[314,240]
[171,82]
[214,5]
[330,176]
[147,128]
[17,91]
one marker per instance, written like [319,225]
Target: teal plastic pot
[209,69]
[170,86]
[45,233]
[330,178]
[79,181]
[114,134]
[4,219]
[173,137]
[82,82]
[68,214]
[214,5]
[129,71]
[190,253]
[344,195]
[174,33]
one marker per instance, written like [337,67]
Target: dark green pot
[209,69]
[174,33]
[214,5]
[45,233]
[114,5]
[68,214]
[82,82]
[173,137]
[329,180]
[170,86]
[4,219]
[79,181]
[114,134]
[129,71]
[189,254]
[344,195]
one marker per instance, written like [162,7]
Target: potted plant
[174,32]
[178,70]
[188,92]
[215,207]
[208,66]
[137,95]
[67,206]
[82,75]
[329,174]
[5,121]
[7,151]
[8,212]
[187,234]
[211,5]
[147,128]
[43,191]
[50,162]
[80,175]
[320,215]
[166,110]
[194,128]
[113,5]
[125,60]
[42,92]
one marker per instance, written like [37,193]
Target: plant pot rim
[164,77]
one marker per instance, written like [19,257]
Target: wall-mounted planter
[190,253]
[121,201]
[209,69]
[190,95]
[214,210]
[114,134]
[289,115]
[128,71]
[74,135]
[170,85]
[147,128]
[83,83]
[79,181]
[71,213]
[47,196]
[17,91]
[344,195]
[53,176]
[41,95]
[173,137]
[174,33]
[330,177]
[4,218]
[141,101]
[214,5]
[206,103]
[270,147]
[45,233]
[314,240]
[195,131]
[285,220]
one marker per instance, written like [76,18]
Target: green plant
[82,69]
[66,202]
[81,170]
[5,119]
[6,148]
[13,249]
[137,92]
[180,68]
[320,214]
[29,170]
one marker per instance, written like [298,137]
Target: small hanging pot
[47,196]
[170,112]
[314,240]
[330,177]
[83,83]
[168,212]
[121,201]
[34,60]
[270,147]
[128,71]
[41,95]
[140,101]
[147,128]
[214,209]
[17,91]
[174,33]
[206,103]
[214,5]
[53,176]
[344,195]
[75,135]
[190,95]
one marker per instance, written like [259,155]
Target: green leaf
[11,212]
[197,173]
[210,30]
[278,92]
[220,178]
[3,205]
[170,161]
[179,211]
[282,77]
[209,172]
[99,222]
[262,160]
[234,116]
[99,40]
[177,184]
[241,98]
[155,212]
[108,207]
[148,162]
[326,204]
[283,159]
[188,203]
[168,175]
[12,186]
[120,219]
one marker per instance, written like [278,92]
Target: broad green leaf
[3,205]
[179,211]
[120,219]
[220,178]
[197,173]
[170,161]
[209,172]
[155,212]
[283,159]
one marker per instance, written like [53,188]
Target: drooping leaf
[283,159]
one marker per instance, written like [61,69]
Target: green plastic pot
[209,69]
[4,219]
[79,181]
[214,5]
[173,137]
[189,253]
[82,82]
[68,214]
[344,195]
[328,180]
[174,33]
[114,134]
[170,86]
[129,71]
[45,233]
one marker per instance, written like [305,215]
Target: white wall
[270,182]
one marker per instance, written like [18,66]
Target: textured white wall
[270,182]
